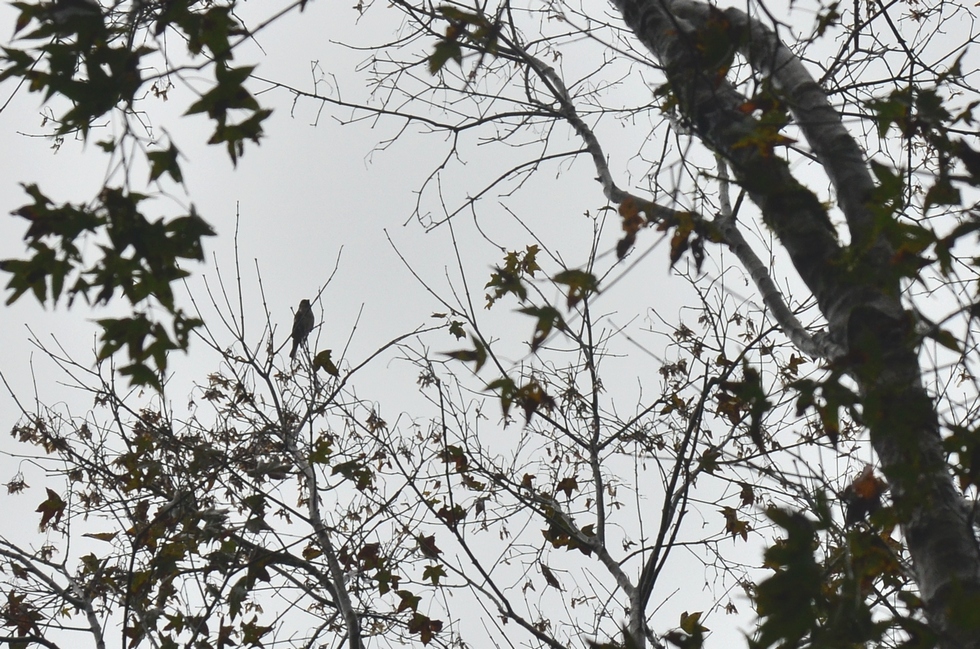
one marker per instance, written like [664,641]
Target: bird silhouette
[302,326]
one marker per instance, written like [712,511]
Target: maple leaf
[735,526]
[427,545]
[568,485]
[52,508]
[747,495]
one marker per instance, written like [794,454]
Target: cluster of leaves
[141,260]
[83,53]
[464,30]
[827,397]
[965,443]
[748,396]
[690,231]
[83,64]
[922,114]
[770,116]
[87,57]
[193,511]
[812,602]
[512,279]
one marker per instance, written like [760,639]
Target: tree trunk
[858,294]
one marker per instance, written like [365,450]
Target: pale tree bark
[858,295]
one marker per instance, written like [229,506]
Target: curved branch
[712,106]
[835,148]
[341,596]
[820,346]
[72,595]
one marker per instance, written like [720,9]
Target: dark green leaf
[162,162]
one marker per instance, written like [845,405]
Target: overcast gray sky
[316,191]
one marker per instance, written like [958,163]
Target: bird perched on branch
[302,326]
